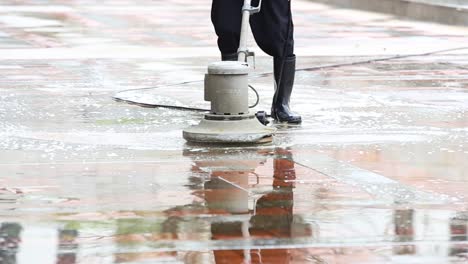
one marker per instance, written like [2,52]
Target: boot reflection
[459,232]
[9,242]
[67,242]
[271,219]
[274,211]
[404,231]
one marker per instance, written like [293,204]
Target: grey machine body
[226,87]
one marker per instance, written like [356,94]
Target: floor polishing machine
[226,87]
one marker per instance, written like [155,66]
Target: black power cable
[266,74]
[175,107]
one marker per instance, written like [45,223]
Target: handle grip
[253,9]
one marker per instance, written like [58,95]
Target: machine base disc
[245,131]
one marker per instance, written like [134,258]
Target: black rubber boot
[284,82]
[229,57]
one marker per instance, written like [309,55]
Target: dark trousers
[269,27]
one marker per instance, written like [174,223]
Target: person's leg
[226,16]
[273,30]
[270,28]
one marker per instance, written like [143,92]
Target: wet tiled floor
[376,174]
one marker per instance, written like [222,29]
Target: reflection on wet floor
[264,209]
[67,246]
[10,234]
[272,216]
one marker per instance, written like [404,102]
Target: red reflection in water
[273,218]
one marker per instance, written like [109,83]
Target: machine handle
[253,9]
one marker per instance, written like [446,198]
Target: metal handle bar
[252,9]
